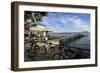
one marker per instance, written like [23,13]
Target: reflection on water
[83,42]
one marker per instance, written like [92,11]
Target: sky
[67,22]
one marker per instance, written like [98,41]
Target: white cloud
[66,23]
[78,23]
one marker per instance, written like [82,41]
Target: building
[40,32]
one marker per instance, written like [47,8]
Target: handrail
[78,48]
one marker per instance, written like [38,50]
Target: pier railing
[76,52]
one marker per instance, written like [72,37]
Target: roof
[42,28]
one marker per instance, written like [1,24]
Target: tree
[34,16]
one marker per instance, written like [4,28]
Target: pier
[57,51]
[64,40]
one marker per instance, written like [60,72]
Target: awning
[42,29]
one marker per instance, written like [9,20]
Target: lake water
[83,42]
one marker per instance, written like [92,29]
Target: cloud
[65,22]
[78,23]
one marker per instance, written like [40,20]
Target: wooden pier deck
[73,37]
[60,53]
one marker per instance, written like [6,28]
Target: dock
[59,51]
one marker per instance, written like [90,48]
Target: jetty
[64,40]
